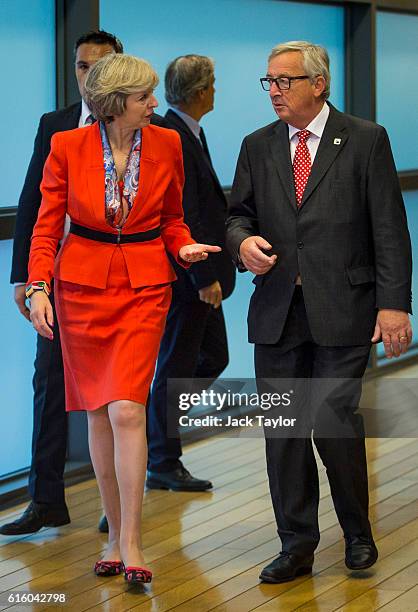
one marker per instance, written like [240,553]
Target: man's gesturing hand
[212,294]
[20,300]
[394,328]
[197,252]
[253,257]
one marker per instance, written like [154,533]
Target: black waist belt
[119,238]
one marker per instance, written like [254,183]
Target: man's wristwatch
[37,286]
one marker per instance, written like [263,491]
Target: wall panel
[27,46]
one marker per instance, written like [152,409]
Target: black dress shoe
[360,553]
[286,567]
[177,480]
[36,516]
[103,525]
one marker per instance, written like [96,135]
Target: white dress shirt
[316,127]
[85,113]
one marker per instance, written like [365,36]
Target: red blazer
[74,181]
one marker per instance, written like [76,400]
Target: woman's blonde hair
[112,79]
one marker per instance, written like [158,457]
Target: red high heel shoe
[136,575]
[108,568]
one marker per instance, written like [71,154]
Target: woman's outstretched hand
[197,252]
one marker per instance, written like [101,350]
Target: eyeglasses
[282,83]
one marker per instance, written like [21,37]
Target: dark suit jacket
[30,198]
[205,209]
[348,240]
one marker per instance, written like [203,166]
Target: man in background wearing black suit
[49,439]
[317,214]
[194,344]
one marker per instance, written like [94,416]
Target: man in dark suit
[317,214]
[194,342]
[49,440]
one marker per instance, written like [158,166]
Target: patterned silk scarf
[113,205]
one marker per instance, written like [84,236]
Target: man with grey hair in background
[317,214]
[194,344]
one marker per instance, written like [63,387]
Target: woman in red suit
[120,181]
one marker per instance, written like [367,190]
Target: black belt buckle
[118,236]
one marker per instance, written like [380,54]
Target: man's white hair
[315,60]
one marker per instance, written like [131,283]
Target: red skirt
[110,338]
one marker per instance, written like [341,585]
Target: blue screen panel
[27,46]
[397,84]
[17,351]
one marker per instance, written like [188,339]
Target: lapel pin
[337,141]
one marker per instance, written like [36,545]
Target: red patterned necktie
[301,165]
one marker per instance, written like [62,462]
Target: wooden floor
[207,549]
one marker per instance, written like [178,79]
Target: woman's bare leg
[102,455]
[128,420]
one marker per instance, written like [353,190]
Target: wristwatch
[37,286]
